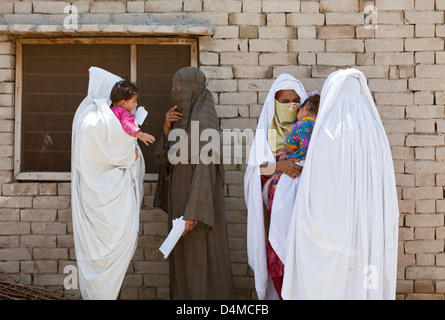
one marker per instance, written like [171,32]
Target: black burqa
[199,264]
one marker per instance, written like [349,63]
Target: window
[52,80]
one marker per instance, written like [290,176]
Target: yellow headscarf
[285,116]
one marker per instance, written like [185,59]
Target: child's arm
[127,122]
[304,133]
[291,142]
[129,127]
[145,137]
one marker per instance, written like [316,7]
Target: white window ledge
[63,176]
[108,30]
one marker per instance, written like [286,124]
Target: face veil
[197,106]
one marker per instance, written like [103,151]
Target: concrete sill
[108,30]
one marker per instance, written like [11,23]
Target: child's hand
[145,137]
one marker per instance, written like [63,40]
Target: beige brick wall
[253,42]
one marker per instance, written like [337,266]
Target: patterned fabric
[127,120]
[298,136]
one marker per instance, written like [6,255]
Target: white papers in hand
[140,115]
[173,237]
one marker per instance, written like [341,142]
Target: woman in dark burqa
[193,187]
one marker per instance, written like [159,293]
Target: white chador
[260,153]
[342,240]
[107,191]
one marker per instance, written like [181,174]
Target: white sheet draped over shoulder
[107,191]
[342,241]
[260,153]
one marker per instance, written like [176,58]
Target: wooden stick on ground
[12,290]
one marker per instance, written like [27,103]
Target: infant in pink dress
[124,97]
[127,120]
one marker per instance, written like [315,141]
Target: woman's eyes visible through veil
[296,100]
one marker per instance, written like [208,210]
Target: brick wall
[253,42]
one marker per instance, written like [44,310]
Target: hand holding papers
[140,115]
[173,236]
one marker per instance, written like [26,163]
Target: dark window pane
[156,65]
[55,81]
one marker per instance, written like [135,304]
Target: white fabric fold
[342,240]
[260,153]
[107,191]
[285,195]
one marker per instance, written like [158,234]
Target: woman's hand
[189,225]
[170,117]
[289,167]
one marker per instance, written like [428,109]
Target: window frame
[132,41]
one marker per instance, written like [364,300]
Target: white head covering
[101,83]
[342,240]
[107,191]
[260,153]
[287,82]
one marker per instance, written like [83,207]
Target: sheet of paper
[140,115]
[173,237]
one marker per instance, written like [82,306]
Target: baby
[124,97]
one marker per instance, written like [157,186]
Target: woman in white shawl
[267,146]
[342,240]
[107,191]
